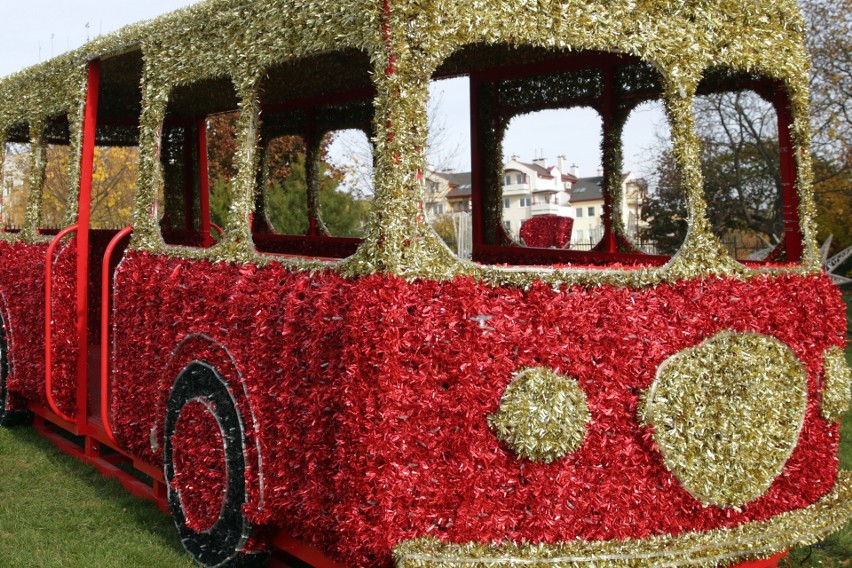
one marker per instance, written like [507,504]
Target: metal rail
[48,322]
[105,343]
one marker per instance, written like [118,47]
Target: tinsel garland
[837,392]
[199,463]
[22,266]
[726,415]
[542,416]
[718,547]
[331,363]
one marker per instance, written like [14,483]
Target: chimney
[562,168]
[575,171]
[542,162]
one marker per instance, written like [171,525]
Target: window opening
[737,123]
[448,163]
[315,182]
[55,190]
[509,85]
[198,159]
[654,206]
[17,165]
[114,186]
[345,194]
[286,207]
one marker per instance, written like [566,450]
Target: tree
[740,160]
[113,186]
[15,184]
[830,46]
[286,183]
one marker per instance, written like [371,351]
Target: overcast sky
[36,30]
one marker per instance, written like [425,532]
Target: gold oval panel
[727,414]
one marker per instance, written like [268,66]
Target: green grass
[58,512]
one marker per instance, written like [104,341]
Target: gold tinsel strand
[241,40]
[837,392]
[717,547]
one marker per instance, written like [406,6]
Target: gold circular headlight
[542,416]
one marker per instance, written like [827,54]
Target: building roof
[459,182]
[587,189]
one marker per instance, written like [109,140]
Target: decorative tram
[378,401]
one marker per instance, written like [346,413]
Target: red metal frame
[204,182]
[83,217]
[105,343]
[789,189]
[48,323]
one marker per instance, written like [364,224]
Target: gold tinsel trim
[727,414]
[718,547]
[543,415]
[837,393]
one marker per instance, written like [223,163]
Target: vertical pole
[311,149]
[188,177]
[789,190]
[203,181]
[608,241]
[477,209]
[83,217]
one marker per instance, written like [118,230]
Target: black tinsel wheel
[224,531]
[9,416]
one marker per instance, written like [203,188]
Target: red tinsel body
[367,398]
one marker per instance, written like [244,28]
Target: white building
[588,201]
[536,188]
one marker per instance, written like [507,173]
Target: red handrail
[105,279]
[48,326]
[218,229]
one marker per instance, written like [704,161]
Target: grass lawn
[58,512]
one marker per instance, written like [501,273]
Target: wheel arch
[204,349]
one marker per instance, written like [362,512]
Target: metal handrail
[105,280]
[48,323]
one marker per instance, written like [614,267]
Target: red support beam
[203,181]
[87,163]
[789,189]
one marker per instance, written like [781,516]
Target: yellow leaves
[114,186]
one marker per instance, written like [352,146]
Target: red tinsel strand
[199,465]
[547,231]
